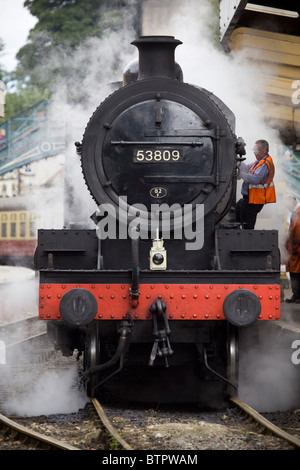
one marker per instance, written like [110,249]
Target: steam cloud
[51,392]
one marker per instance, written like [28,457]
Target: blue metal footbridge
[36,133]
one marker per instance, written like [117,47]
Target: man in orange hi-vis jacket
[258,185]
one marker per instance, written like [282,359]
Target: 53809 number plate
[157,156]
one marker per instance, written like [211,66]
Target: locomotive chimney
[156,57]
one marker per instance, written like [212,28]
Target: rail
[46,441]
[109,426]
[266,423]
[28,433]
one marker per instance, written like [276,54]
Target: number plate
[157,156]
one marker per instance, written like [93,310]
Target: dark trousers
[295,284]
[246,213]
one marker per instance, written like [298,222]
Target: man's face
[259,152]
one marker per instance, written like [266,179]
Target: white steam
[18,291]
[51,392]
[269,377]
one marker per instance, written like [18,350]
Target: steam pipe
[125,332]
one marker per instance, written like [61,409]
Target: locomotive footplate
[191,299]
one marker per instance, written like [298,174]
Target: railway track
[15,431]
[112,433]
[265,423]
[109,426]
[265,426]
[29,437]
[121,429]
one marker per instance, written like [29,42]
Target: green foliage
[62,26]
[67,20]
[59,22]
[65,25]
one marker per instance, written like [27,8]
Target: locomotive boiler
[155,295]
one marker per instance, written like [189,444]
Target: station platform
[10,274]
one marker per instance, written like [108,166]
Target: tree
[67,24]
[69,21]
[65,30]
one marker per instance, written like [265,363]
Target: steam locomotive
[155,295]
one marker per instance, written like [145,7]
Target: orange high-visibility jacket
[263,193]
